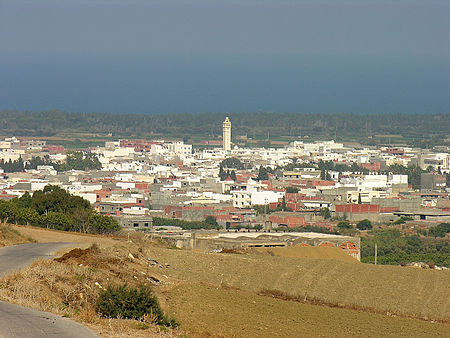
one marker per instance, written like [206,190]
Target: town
[305,190]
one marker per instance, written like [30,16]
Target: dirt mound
[91,256]
[307,252]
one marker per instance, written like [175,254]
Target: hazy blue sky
[162,56]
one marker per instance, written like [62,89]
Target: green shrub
[403,220]
[344,225]
[128,302]
[365,224]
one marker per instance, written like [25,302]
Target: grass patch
[10,236]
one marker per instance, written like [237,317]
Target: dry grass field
[306,252]
[10,236]
[206,311]
[386,289]
[221,295]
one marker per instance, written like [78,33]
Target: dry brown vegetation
[216,294]
[388,289]
[70,285]
[10,236]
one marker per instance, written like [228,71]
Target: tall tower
[226,134]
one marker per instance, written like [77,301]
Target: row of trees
[75,160]
[224,174]
[55,208]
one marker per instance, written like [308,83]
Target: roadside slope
[10,236]
[18,321]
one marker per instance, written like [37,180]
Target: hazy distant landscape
[250,128]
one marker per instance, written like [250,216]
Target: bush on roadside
[132,303]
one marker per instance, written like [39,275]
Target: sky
[173,56]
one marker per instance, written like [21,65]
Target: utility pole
[375,253]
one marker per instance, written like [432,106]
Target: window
[136,225]
[146,225]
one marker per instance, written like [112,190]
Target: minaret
[226,134]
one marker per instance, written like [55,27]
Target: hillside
[10,236]
[217,294]
[395,289]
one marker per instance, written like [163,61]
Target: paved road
[19,321]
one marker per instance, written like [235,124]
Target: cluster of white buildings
[141,178]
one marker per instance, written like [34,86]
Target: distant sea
[171,85]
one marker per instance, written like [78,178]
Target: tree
[232,163]
[55,199]
[355,167]
[233,175]
[211,220]
[222,173]
[364,224]
[102,224]
[291,190]
[439,230]
[263,174]
[323,174]
[325,213]
[24,201]
[344,225]
[283,203]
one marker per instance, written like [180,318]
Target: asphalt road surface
[19,321]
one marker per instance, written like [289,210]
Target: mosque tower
[226,134]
